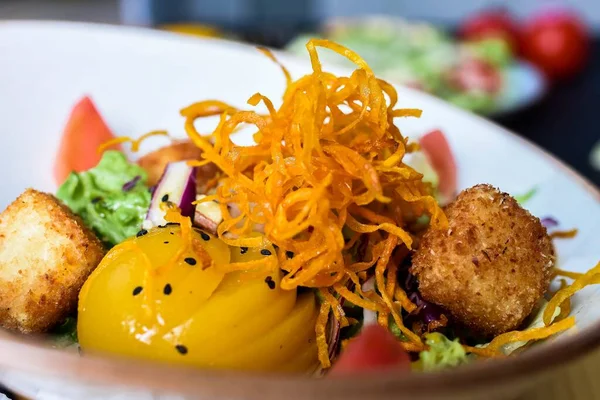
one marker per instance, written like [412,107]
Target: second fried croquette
[492,264]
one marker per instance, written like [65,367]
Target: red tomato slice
[84,132]
[373,350]
[438,152]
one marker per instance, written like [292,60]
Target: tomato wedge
[438,152]
[84,132]
[373,349]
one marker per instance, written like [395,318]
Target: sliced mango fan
[328,160]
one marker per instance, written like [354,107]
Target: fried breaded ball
[154,163]
[46,254]
[490,267]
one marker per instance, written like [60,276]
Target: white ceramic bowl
[140,79]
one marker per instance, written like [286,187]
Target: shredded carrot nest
[330,157]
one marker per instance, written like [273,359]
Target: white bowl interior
[139,79]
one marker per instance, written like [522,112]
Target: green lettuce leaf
[525,197]
[65,334]
[99,197]
[442,353]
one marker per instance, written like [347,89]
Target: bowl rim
[26,355]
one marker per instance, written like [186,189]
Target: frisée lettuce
[111,198]
[442,353]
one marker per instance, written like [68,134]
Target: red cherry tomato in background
[374,349]
[557,42]
[492,24]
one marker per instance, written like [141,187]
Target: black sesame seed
[165,198]
[190,260]
[167,289]
[141,233]
[96,199]
[205,236]
[289,254]
[270,282]
[171,233]
[243,250]
[137,290]
[166,242]
[171,223]
[181,349]
[265,252]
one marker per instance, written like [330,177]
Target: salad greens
[395,329]
[111,198]
[442,353]
[65,335]
[525,197]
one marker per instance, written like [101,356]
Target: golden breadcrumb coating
[490,267]
[46,254]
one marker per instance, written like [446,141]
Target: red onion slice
[208,215]
[369,317]
[333,337]
[177,185]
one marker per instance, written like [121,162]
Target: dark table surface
[567,121]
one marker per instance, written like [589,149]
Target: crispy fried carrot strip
[564,234]
[531,334]
[321,336]
[135,143]
[568,274]
[565,307]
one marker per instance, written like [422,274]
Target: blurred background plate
[484,74]
[525,85]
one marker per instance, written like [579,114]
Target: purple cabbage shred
[549,222]
[426,312]
[127,186]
